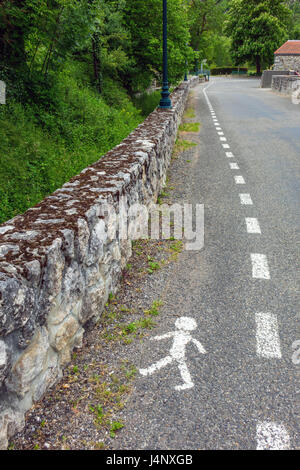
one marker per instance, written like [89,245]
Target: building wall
[287,62]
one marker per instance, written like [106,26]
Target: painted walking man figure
[182,338]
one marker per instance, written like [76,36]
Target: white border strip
[272,436]
[267,336]
[260,268]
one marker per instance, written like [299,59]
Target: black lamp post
[185,75]
[197,63]
[165,102]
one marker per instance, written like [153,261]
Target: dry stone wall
[60,260]
[287,62]
[266,79]
[285,84]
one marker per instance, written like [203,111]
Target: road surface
[241,289]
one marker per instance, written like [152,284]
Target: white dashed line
[246,199]
[272,436]
[252,225]
[269,435]
[239,179]
[234,166]
[260,268]
[267,336]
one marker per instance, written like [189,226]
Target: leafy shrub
[42,146]
[147,102]
[227,70]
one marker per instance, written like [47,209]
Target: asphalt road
[242,288]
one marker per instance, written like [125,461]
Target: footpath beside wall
[60,260]
[285,84]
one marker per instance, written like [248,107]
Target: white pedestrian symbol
[182,337]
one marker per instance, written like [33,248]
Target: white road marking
[252,225]
[246,199]
[182,338]
[269,435]
[267,336]
[260,268]
[223,139]
[218,128]
[239,180]
[272,436]
[234,166]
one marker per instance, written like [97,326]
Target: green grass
[147,102]
[115,426]
[181,145]
[189,113]
[43,145]
[154,310]
[189,127]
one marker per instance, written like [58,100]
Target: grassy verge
[43,144]
[189,127]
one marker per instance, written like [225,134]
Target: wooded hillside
[73,69]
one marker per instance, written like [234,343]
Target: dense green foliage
[77,73]
[144,20]
[227,70]
[257,28]
[207,37]
[40,152]
[294,30]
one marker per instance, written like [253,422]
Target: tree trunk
[258,66]
[97,62]
[12,46]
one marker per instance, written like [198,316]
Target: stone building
[287,57]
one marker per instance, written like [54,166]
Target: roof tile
[290,47]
